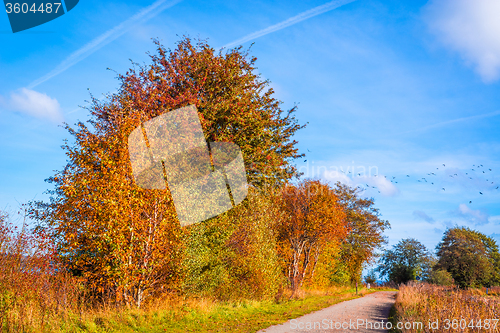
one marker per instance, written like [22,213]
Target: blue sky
[389,89]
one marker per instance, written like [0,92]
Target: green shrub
[441,277]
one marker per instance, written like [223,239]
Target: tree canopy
[365,230]
[471,257]
[405,261]
[312,218]
[234,103]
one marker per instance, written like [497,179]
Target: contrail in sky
[153,10]
[291,21]
[107,37]
[448,122]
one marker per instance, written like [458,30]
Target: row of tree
[464,257]
[126,243]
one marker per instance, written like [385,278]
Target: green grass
[393,319]
[196,316]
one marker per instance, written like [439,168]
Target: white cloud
[423,216]
[476,216]
[383,184]
[495,219]
[336,176]
[36,104]
[471,27]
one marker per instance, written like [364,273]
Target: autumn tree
[405,261]
[312,217]
[469,256]
[366,230]
[121,238]
[125,240]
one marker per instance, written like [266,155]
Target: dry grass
[179,314]
[493,291]
[452,309]
[34,291]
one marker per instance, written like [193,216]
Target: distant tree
[471,257]
[366,230]
[371,277]
[494,256]
[312,217]
[407,260]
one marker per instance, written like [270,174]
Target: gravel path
[365,314]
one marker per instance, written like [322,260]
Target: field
[428,308]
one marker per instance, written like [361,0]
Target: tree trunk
[294,270]
[317,252]
[139,297]
[307,256]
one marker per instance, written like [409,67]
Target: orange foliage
[312,218]
[124,240]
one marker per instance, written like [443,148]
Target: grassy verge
[393,319]
[202,315]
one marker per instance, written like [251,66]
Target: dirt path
[365,314]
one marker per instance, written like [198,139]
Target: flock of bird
[471,175]
[432,178]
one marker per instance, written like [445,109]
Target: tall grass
[34,290]
[177,314]
[453,309]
